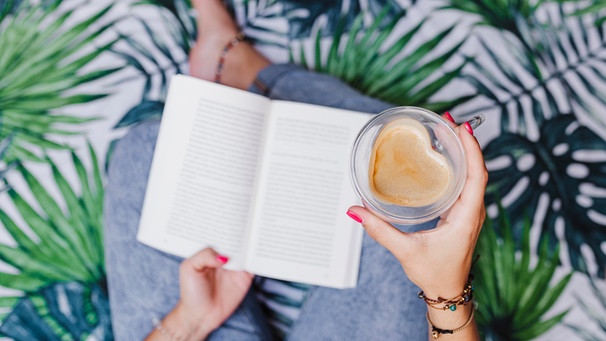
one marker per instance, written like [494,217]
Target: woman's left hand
[209,295]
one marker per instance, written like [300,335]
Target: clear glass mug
[442,139]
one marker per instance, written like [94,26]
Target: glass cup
[441,143]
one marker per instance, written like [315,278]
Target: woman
[210,302]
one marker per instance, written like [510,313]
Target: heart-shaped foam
[404,168]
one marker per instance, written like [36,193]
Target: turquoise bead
[452,307]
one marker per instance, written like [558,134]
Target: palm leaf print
[56,244]
[41,61]
[513,297]
[379,70]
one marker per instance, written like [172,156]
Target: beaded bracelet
[451,304]
[231,44]
[436,332]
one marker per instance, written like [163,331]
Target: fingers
[384,233]
[451,121]
[206,258]
[477,175]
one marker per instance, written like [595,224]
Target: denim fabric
[143,282]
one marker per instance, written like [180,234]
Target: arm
[439,260]
[209,295]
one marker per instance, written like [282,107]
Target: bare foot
[215,29]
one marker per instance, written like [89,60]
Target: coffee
[405,169]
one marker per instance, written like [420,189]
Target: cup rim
[443,204]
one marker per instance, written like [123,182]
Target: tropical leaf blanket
[75,75]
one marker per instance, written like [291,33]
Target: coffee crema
[405,169]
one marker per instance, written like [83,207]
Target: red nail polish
[222,259]
[468,127]
[354,216]
[449,117]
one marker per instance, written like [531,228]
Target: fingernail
[448,117]
[468,127]
[354,216]
[222,259]
[475,121]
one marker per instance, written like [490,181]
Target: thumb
[206,258]
[384,233]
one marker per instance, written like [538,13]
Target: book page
[201,181]
[300,229]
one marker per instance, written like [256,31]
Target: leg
[284,81]
[143,282]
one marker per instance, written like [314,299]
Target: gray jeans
[143,282]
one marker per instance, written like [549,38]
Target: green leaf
[22,239]
[562,143]
[31,266]
[41,70]
[69,244]
[385,72]
[21,282]
[145,110]
[512,297]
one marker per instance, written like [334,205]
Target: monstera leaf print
[278,22]
[61,311]
[162,53]
[545,76]
[181,21]
[302,15]
[565,170]
[556,69]
[596,294]
[41,60]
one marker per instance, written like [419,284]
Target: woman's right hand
[439,260]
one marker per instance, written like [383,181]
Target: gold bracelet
[451,304]
[436,332]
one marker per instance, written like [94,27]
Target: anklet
[436,332]
[232,43]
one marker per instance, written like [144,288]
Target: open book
[264,182]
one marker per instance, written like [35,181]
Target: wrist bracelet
[232,43]
[166,334]
[451,304]
[436,332]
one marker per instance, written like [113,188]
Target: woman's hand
[209,295]
[439,260]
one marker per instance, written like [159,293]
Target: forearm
[177,327]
